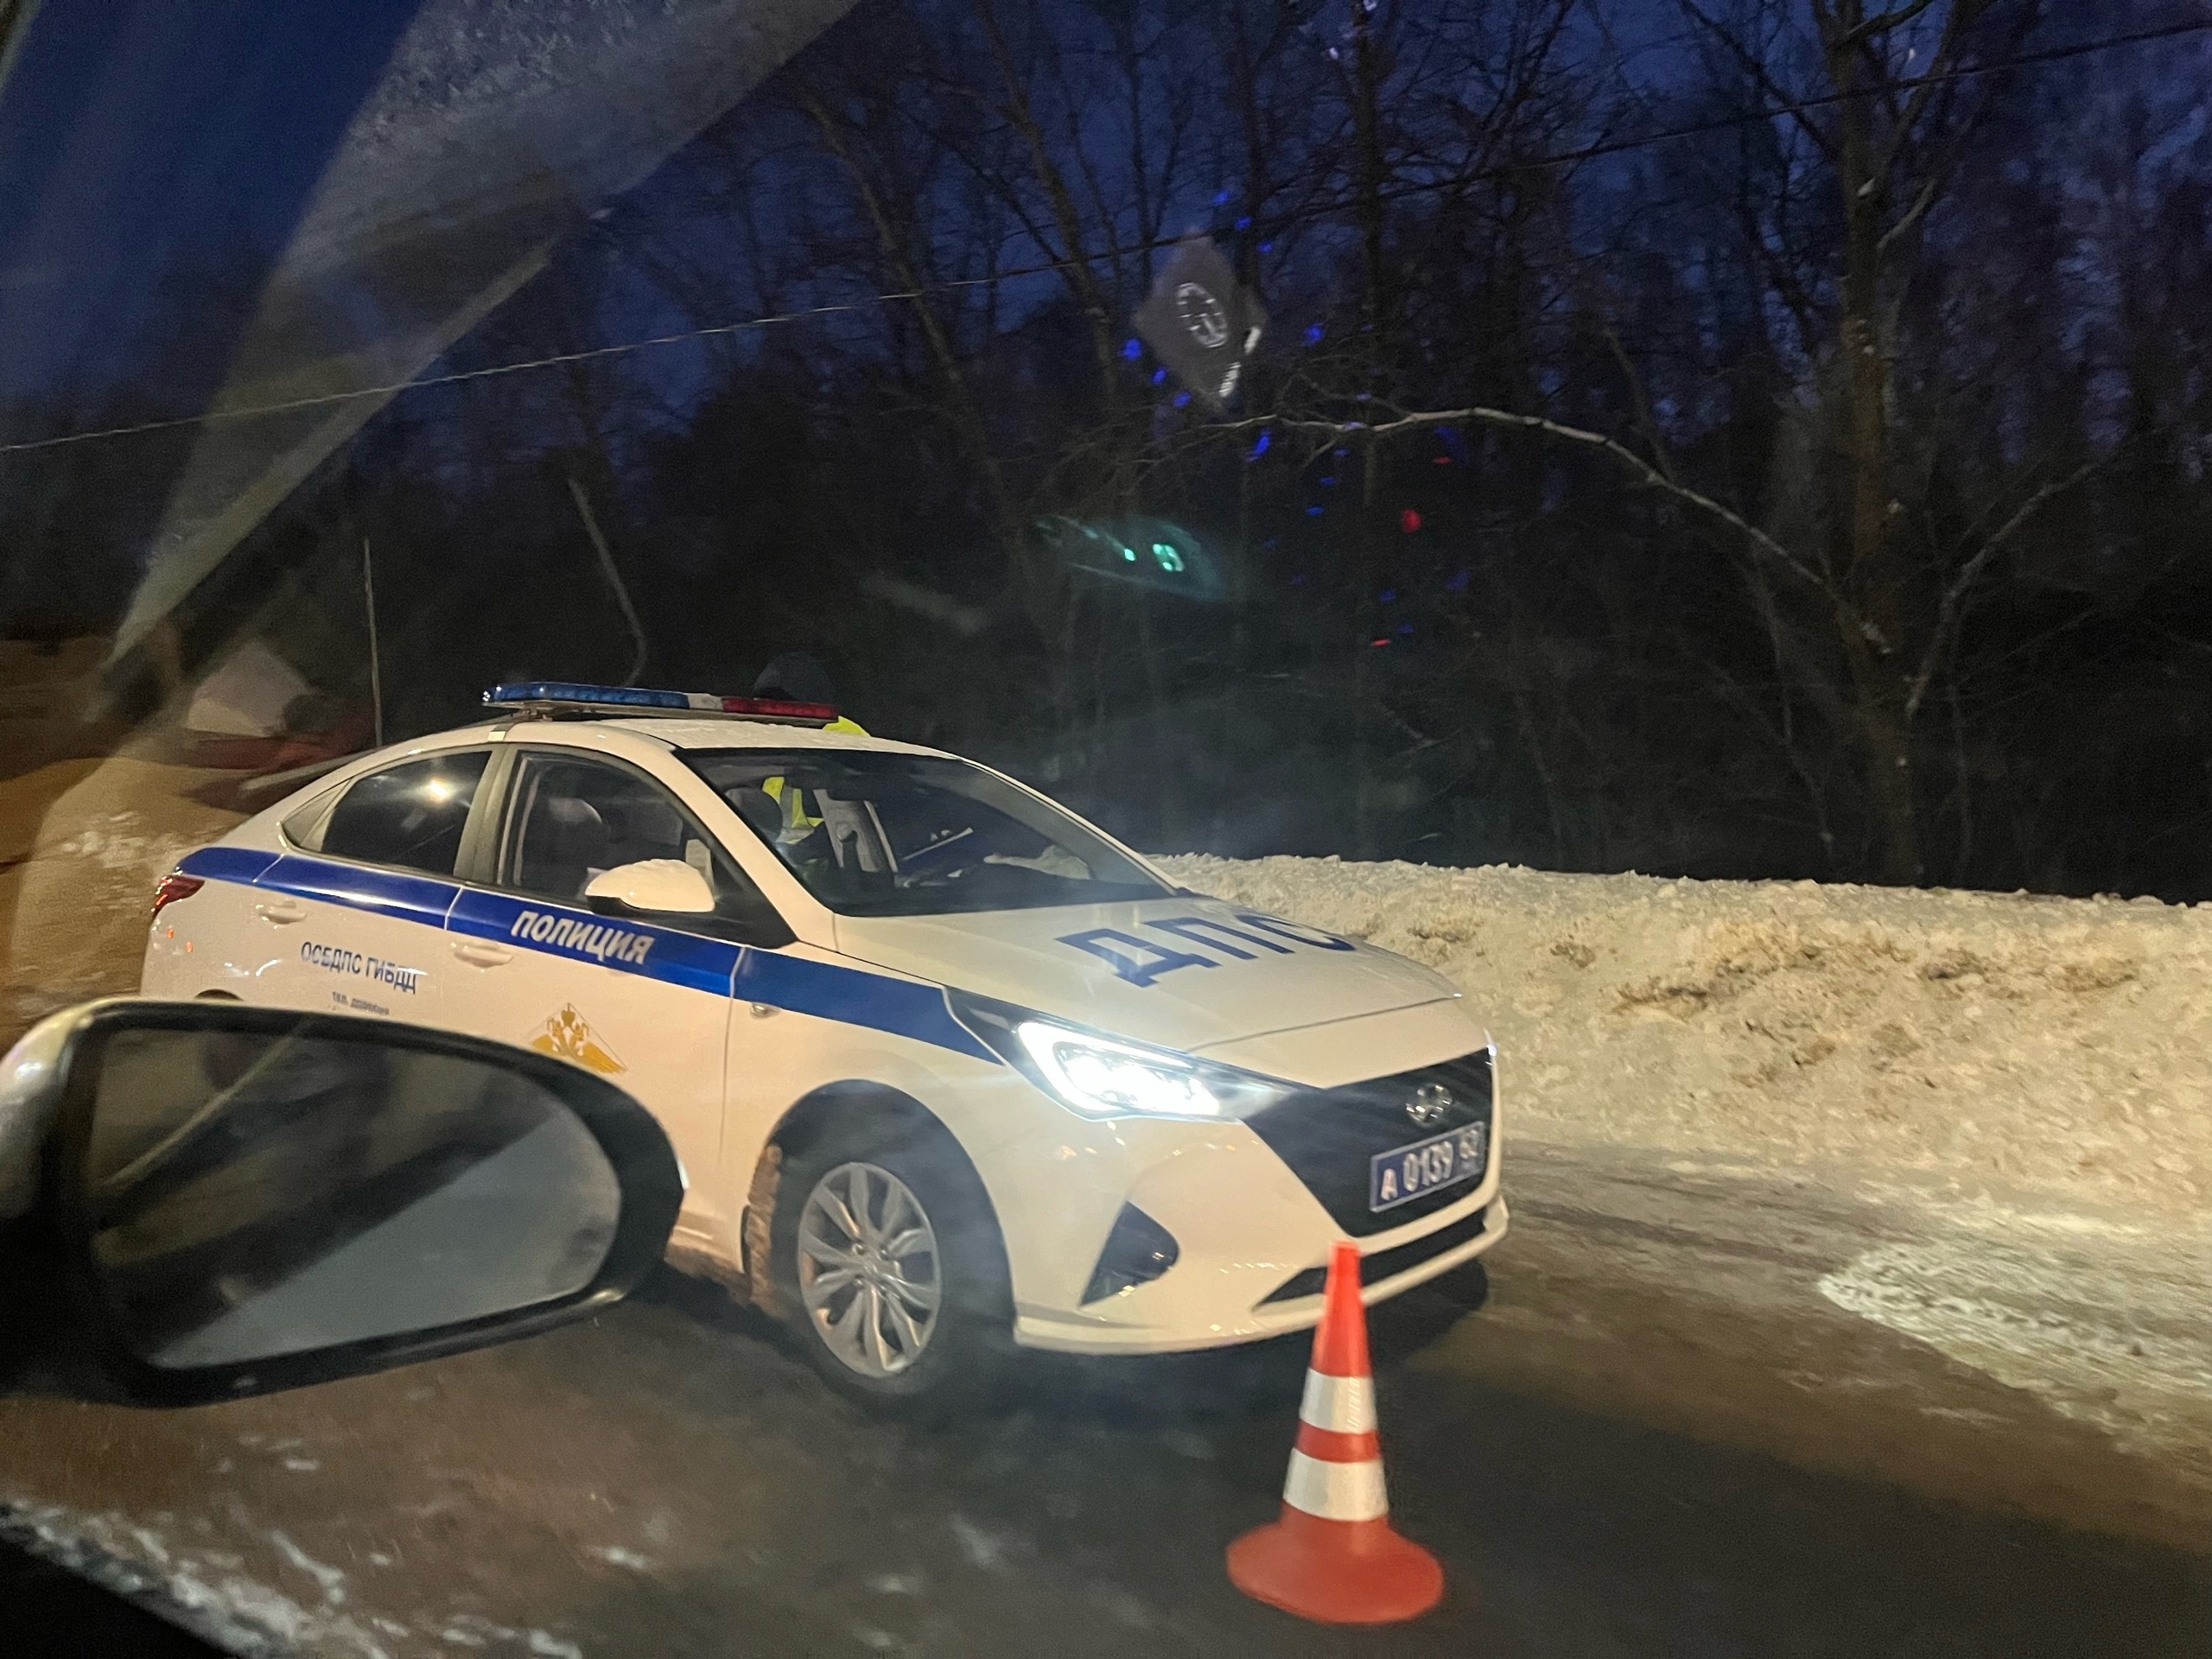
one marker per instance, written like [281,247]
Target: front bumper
[1181,1328]
[1252,1210]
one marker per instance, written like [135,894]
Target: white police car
[941,1061]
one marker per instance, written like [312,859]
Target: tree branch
[1912,215]
[1748,60]
[1075,271]
[897,252]
[1644,472]
[1883,22]
[1963,16]
[1947,612]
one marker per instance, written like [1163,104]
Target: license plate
[1441,1160]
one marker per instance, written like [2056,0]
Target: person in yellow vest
[795,676]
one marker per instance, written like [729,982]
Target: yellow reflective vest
[796,818]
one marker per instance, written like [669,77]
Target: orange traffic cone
[1333,1557]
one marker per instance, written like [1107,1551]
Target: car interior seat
[565,843]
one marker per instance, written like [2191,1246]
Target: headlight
[1104,1077]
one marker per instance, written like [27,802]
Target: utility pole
[614,579]
[376,668]
[1365,90]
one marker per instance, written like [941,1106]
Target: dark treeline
[1818,493]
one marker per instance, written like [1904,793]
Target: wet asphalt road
[1660,1437]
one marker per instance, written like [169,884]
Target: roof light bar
[568,696]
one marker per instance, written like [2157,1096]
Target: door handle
[482,956]
[281,911]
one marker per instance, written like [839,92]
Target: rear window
[409,816]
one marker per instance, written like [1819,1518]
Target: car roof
[683,736]
[725,733]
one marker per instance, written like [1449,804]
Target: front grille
[1326,1136]
[1385,1264]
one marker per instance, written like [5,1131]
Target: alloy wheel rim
[869,1273]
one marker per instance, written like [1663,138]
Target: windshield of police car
[875,833]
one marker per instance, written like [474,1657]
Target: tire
[914,1179]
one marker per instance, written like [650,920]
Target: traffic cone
[1333,1557]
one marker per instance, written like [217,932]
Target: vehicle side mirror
[651,886]
[250,1199]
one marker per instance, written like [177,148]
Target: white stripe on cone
[1344,1404]
[1335,1491]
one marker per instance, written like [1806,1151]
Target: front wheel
[888,1264]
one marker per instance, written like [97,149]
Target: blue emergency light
[568,696]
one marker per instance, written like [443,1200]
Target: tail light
[174,886]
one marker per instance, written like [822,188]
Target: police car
[942,1062]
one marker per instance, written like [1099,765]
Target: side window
[410,816]
[570,820]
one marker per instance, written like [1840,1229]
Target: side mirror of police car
[228,1200]
[651,886]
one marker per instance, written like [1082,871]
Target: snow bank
[82,843]
[2000,1046]
[1996,1045]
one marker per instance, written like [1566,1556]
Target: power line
[1828,100]
[1274,226]
[324,400]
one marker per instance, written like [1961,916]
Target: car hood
[1183,972]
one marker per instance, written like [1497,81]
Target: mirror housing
[651,886]
[241,1200]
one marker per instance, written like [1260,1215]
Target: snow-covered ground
[1989,1047]
[1911,1185]
[82,843]
[1980,1122]
[1978,1047]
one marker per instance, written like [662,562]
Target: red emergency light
[777,708]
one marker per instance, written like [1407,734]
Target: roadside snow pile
[82,843]
[1998,1044]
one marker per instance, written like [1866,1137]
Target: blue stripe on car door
[677,958]
[828,992]
[847,995]
[387,892]
[227,864]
